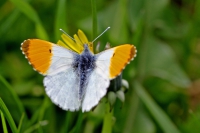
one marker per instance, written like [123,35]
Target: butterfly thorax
[84,64]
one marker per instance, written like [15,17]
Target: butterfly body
[83,66]
[76,77]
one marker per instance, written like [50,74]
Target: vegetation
[164,78]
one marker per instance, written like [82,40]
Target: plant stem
[108,120]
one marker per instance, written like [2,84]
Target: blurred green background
[164,78]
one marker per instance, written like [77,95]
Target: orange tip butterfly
[75,77]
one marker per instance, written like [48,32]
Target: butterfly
[75,77]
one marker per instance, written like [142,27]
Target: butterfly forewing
[61,60]
[46,57]
[39,54]
[114,60]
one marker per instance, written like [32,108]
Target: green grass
[163,79]
[5,111]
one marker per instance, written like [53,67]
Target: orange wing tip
[117,71]
[25,54]
[135,54]
[22,46]
[30,47]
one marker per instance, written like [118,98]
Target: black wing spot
[50,50]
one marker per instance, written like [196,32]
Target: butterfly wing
[62,88]
[109,64]
[114,60]
[56,63]
[95,90]
[61,81]
[47,58]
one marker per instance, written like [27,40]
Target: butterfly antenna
[67,34]
[101,34]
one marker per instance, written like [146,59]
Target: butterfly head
[77,43]
[86,48]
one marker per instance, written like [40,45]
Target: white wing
[98,81]
[62,60]
[114,60]
[104,60]
[62,88]
[61,82]
[47,58]
[109,64]
[95,90]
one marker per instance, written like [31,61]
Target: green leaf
[158,114]
[8,116]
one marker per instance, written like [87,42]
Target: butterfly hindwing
[62,88]
[95,90]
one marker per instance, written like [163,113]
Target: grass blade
[8,116]
[94,19]
[36,126]
[11,96]
[77,127]
[67,122]
[4,123]
[60,21]
[8,22]
[25,8]
[20,123]
[132,112]
[159,115]
[42,113]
